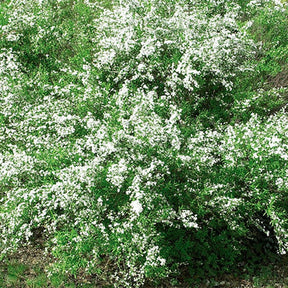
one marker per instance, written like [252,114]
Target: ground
[26,270]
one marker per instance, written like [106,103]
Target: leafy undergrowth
[28,267]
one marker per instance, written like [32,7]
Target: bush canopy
[146,136]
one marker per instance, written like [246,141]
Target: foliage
[133,138]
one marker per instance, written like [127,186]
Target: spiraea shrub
[128,144]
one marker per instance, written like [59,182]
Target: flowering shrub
[118,142]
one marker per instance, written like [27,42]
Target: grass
[26,269]
[15,274]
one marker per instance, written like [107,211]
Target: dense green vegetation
[144,141]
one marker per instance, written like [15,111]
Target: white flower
[116,173]
[12,37]
[188,219]
[141,67]
[136,207]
